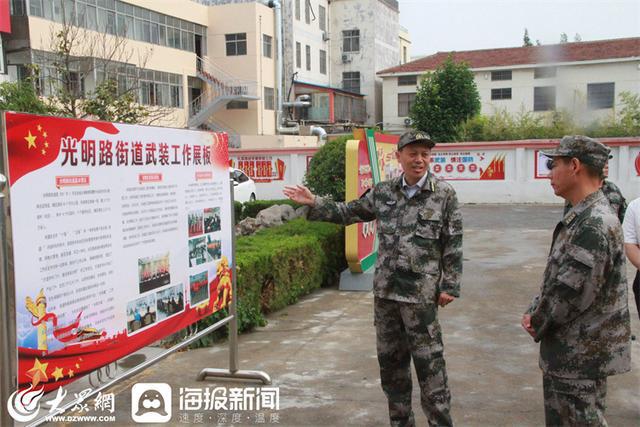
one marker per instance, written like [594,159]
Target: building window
[351,81]
[267,42]
[600,95]
[238,105]
[322,18]
[405,102]
[307,11]
[351,41]
[298,55]
[501,75]
[544,98]
[298,9]
[502,93]
[269,98]
[544,72]
[236,44]
[308,57]
[407,80]
[323,62]
[117,17]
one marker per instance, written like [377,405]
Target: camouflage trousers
[406,331]
[574,402]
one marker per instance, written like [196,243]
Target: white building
[583,78]
[364,35]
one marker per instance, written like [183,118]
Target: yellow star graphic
[70,373]
[46,144]
[43,152]
[57,373]
[44,134]
[77,365]
[38,373]
[39,128]
[31,140]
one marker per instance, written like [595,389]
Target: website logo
[151,403]
[24,406]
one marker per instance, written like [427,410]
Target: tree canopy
[446,98]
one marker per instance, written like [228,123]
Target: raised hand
[300,194]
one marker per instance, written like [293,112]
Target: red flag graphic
[33,141]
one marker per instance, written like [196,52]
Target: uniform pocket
[429,225]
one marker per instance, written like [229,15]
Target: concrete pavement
[320,352]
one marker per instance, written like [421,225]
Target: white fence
[516,175]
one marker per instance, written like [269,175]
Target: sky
[445,25]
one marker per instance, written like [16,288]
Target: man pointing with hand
[419,267]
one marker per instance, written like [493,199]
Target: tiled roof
[511,56]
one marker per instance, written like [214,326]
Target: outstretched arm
[325,209]
[300,194]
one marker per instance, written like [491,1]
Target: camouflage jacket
[420,239]
[615,198]
[581,316]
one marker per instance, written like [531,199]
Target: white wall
[295,162]
[519,185]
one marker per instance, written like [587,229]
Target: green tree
[106,104]
[22,96]
[325,176]
[526,41]
[564,38]
[446,98]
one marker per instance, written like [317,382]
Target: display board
[360,238]
[121,236]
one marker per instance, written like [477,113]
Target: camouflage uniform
[614,197]
[419,256]
[581,317]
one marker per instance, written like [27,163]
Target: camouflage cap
[583,148]
[414,136]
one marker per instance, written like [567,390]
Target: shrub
[325,176]
[503,126]
[237,211]
[276,266]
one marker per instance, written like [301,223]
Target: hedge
[276,266]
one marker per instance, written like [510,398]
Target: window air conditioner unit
[345,58]
[407,121]
[325,36]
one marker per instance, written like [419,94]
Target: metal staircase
[221,88]
[219,126]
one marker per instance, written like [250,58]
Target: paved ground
[321,351]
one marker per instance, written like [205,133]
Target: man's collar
[420,182]
[427,182]
[583,205]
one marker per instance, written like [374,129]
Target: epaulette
[569,218]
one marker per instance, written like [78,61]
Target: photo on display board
[211,220]
[198,252]
[214,247]
[153,272]
[198,289]
[170,301]
[141,313]
[195,223]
